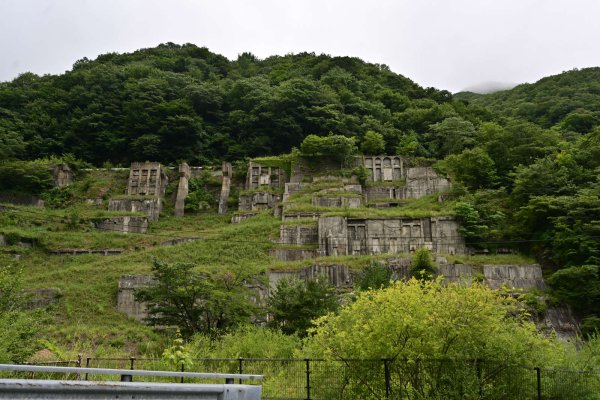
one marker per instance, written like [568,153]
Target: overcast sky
[449,44]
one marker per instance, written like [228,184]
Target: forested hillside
[185,103]
[568,101]
[524,166]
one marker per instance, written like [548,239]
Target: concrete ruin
[260,175]
[21,200]
[384,168]
[150,206]
[78,252]
[337,201]
[126,302]
[227,174]
[514,276]
[62,175]
[258,201]
[182,189]
[340,236]
[147,179]
[123,224]
[238,218]
[41,298]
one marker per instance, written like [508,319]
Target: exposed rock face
[514,276]
[62,175]
[123,224]
[258,201]
[151,206]
[260,175]
[344,236]
[562,321]
[147,179]
[182,189]
[126,295]
[227,171]
[21,200]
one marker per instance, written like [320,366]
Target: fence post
[386,371]
[87,365]
[78,365]
[131,361]
[538,373]
[307,378]
[182,370]
[240,368]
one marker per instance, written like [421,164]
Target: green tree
[373,143]
[336,146]
[450,136]
[196,301]
[373,276]
[473,167]
[295,303]
[422,265]
[428,319]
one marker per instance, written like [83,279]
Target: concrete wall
[298,234]
[384,168]
[423,181]
[21,200]
[148,179]
[151,206]
[258,201]
[123,224]
[288,254]
[227,174]
[260,175]
[62,175]
[241,217]
[126,295]
[514,276]
[344,236]
[337,201]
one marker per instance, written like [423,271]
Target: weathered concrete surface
[260,175]
[77,252]
[561,320]
[514,276]
[21,200]
[291,188]
[148,179]
[62,175]
[258,201]
[241,217]
[123,224]
[182,189]
[291,254]
[344,236]
[298,234]
[337,201]
[423,181]
[41,298]
[174,242]
[227,173]
[384,168]
[287,216]
[150,206]
[126,302]
[2,240]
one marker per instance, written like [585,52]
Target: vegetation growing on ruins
[524,165]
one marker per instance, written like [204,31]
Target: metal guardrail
[77,389]
[127,374]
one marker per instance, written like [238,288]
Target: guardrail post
[538,373]
[240,368]
[386,371]
[87,365]
[132,362]
[182,370]
[307,378]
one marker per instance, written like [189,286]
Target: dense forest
[525,162]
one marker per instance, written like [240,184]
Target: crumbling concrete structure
[182,189]
[337,201]
[260,175]
[147,179]
[126,302]
[384,168]
[150,206]
[258,201]
[123,224]
[340,236]
[514,276]
[62,175]
[241,217]
[227,174]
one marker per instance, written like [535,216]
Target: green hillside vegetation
[524,188]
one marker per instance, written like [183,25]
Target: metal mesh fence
[295,379]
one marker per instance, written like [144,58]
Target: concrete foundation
[150,206]
[123,224]
[126,302]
